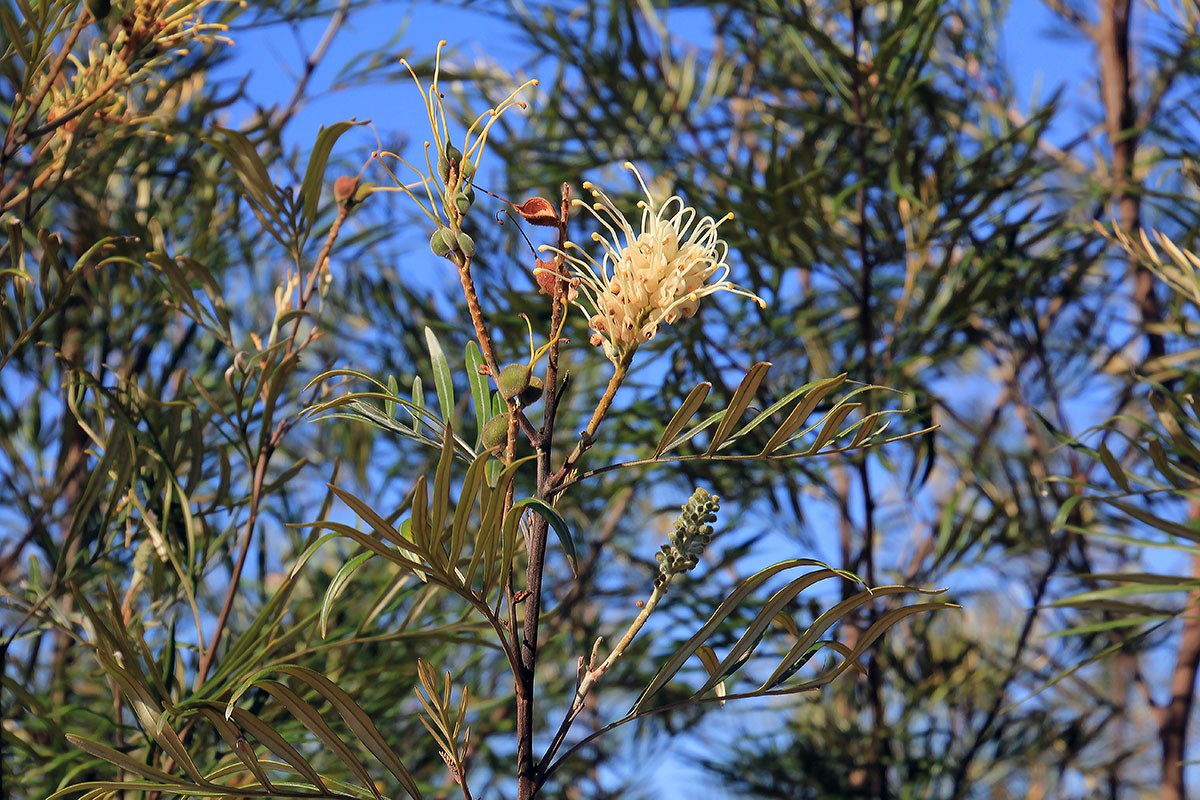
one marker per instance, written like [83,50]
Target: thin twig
[267,444]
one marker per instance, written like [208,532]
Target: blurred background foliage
[909,220]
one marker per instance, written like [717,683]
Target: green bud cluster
[456,173]
[450,155]
[691,535]
[517,382]
[444,241]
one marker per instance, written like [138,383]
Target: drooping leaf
[314,173]
[691,404]
[360,722]
[338,585]
[743,396]
[441,376]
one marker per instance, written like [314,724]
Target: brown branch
[529,777]
[12,143]
[1174,716]
[294,103]
[1072,16]
[267,443]
[1111,37]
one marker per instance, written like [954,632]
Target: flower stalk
[693,531]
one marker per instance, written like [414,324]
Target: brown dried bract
[538,211]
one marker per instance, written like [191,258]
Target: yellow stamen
[425,179]
[405,188]
[428,106]
[437,96]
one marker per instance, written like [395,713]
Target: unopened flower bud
[495,431]
[462,202]
[466,244]
[533,392]
[442,242]
[689,537]
[344,188]
[513,380]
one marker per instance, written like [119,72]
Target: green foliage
[182,460]
[222,583]
[908,221]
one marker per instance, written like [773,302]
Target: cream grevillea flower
[648,277]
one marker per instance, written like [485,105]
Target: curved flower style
[653,277]
[449,172]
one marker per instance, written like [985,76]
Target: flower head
[648,277]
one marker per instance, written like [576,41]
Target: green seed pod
[514,379]
[444,168]
[453,153]
[466,244]
[533,392]
[364,190]
[440,242]
[462,202]
[495,432]
[467,169]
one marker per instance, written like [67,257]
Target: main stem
[528,770]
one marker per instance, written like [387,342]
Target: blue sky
[1039,58]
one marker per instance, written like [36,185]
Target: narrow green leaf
[480,393]
[393,388]
[406,531]
[378,524]
[314,174]
[125,762]
[466,501]
[441,489]
[277,745]
[691,404]
[359,722]
[310,719]
[833,421]
[712,664]
[238,745]
[1164,525]
[741,400]
[866,428]
[867,639]
[1114,468]
[727,607]
[441,376]
[420,515]
[556,522]
[103,790]
[1169,470]
[1107,625]
[418,401]
[338,585]
[307,553]
[749,640]
[826,621]
[490,527]
[1169,414]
